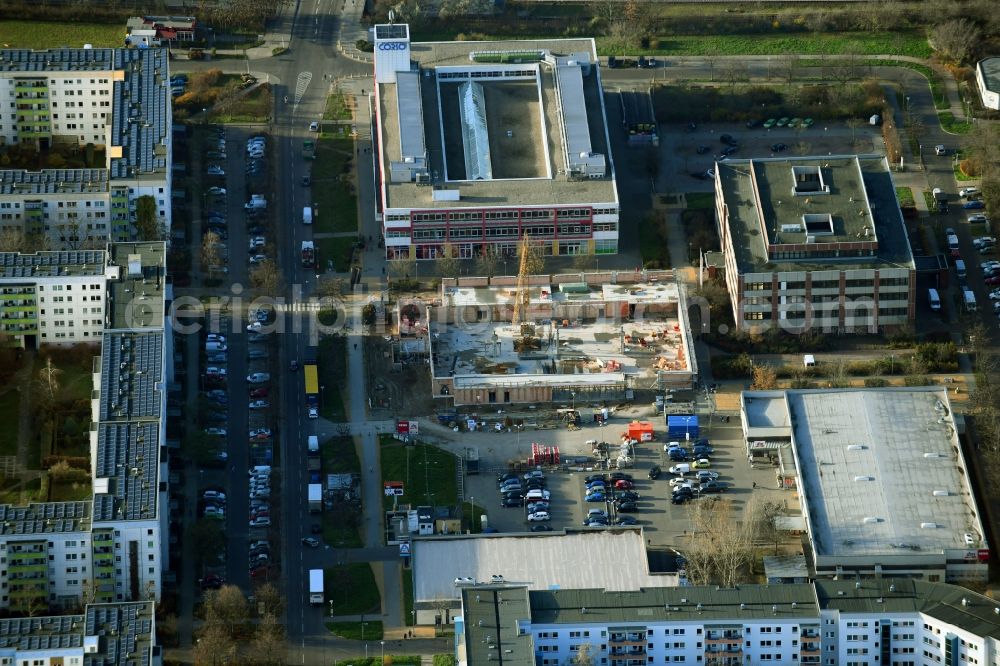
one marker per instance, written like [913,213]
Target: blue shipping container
[682,426]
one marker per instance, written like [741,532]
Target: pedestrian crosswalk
[301,306]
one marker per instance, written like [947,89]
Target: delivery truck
[316,587]
[315,498]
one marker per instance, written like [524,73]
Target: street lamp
[472,520]
[331,608]
[572,395]
[383,651]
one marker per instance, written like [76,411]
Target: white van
[313,443]
[934,299]
[970,300]
[680,468]
[307,215]
[960,268]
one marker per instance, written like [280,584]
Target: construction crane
[521,297]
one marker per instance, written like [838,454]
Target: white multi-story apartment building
[113,106]
[814,244]
[54,297]
[113,547]
[830,623]
[109,634]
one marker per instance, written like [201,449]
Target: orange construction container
[641,431]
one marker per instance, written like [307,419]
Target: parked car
[259,404]
[594,497]
[627,507]
[538,516]
[778,147]
[712,487]
[975,204]
[654,472]
[968,191]
[626,520]
[258,378]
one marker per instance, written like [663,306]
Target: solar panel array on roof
[122,627]
[42,633]
[52,264]
[56,60]
[53,181]
[43,517]
[140,114]
[392,31]
[131,372]
[127,454]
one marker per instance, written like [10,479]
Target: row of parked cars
[617,491]
[692,476]
[528,491]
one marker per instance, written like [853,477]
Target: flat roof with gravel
[813,201]
[881,472]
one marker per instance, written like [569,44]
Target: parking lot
[689,154]
[664,523]
[234,363]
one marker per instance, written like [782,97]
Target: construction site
[579,339]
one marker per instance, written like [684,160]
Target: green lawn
[908,44]
[46,35]
[254,107]
[352,631]
[700,200]
[333,185]
[332,369]
[9,402]
[340,456]
[63,491]
[340,250]
[341,523]
[653,241]
[76,383]
[408,596]
[905,196]
[950,124]
[338,107]
[427,473]
[352,589]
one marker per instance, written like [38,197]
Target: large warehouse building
[814,244]
[482,143]
[881,476]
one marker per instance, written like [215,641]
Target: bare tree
[226,607]
[764,515]
[734,72]
[269,599]
[330,287]
[764,378]
[214,647]
[720,547]
[788,66]
[584,656]
[269,641]
[448,264]
[211,254]
[403,268]
[956,39]
[47,384]
[486,263]
[266,277]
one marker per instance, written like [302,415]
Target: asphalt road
[304,73]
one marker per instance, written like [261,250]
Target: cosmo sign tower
[392,51]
